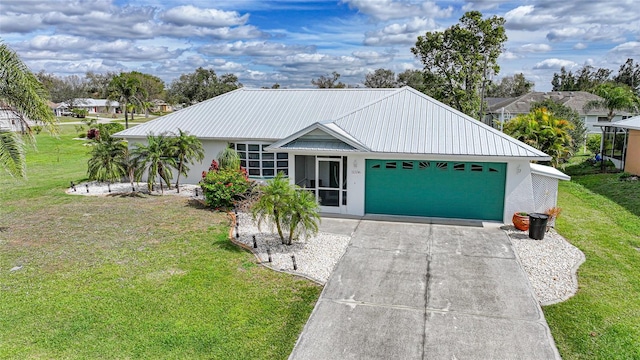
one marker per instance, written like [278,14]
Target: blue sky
[291,42]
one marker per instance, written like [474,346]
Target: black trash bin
[537,225]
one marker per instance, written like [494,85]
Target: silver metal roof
[266,114]
[632,123]
[377,120]
[410,122]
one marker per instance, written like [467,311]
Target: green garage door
[465,190]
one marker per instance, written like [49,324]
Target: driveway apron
[424,291]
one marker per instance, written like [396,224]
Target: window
[407,165]
[458,167]
[442,165]
[476,167]
[603,119]
[424,165]
[260,163]
[390,165]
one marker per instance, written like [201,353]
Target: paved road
[425,291]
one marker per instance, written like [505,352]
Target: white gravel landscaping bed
[102,189]
[551,264]
[315,257]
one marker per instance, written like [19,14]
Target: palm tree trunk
[178,177]
[126,118]
[276,217]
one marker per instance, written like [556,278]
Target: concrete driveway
[425,291]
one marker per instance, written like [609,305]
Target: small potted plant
[521,220]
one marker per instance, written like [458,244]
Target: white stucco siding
[591,121]
[355,184]
[518,189]
[211,150]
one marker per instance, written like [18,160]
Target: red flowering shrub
[93,134]
[222,188]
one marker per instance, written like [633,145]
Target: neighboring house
[364,151]
[161,106]
[10,120]
[621,144]
[93,106]
[503,109]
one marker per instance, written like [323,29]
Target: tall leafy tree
[156,158]
[629,74]
[585,79]
[543,131]
[98,84]
[615,98]
[458,59]
[329,81]
[412,78]
[126,90]
[25,96]
[511,86]
[187,149]
[202,84]
[381,78]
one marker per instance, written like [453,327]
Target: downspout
[624,147]
[604,130]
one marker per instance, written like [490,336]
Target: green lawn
[601,216]
[131,277]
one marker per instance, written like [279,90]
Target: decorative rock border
[551,264]
[316,257]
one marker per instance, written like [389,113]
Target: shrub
[223,188]
[593,143]
[93,134]
[82,135]
[109,128]
[37,129]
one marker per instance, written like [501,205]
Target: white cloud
[384,10]
[579,46]
[525,17]
[554,64]
[405,33]
[508,55]
[629,49]
[535,48]
[191,15]
[255,48]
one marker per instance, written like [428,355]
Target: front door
[330,183]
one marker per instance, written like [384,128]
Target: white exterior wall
[591,120]
[211,150]
[356,167]
[518,189]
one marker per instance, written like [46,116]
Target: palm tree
[125,89]
[302,214]
[615,97]
[543,131]
[156,158]
[108,160]
[229,159]
[187,149]
[272,202]
[24,95]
